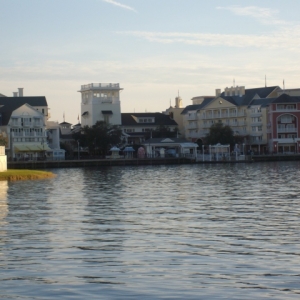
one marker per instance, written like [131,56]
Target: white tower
[100,102]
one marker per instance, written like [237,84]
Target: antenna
[265,80]
[233,82]
[283,85]
[170,102]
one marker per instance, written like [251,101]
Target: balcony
[256,133]
[191,117]
[286,141]
[192,126]
[256,123]
[100,86]
[293,109]
[256,114]
[242,123]
[289,129]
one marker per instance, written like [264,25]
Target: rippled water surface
[153,232]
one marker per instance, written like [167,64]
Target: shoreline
[138,162]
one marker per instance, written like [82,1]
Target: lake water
[153,232]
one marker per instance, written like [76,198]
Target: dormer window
[146,120]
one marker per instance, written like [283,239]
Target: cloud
[262,14]
[286,38]
[119,5]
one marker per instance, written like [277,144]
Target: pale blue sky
[152,48]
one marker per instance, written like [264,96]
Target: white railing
[287,129]
[256,133]
[255,114]
[192,126]
[100,85]
[26,134]
[191,117]
[256,123]
[286,141]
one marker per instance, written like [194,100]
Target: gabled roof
[160,119]
[284,98]
[9,104]
[165,140]
[197,106]
[249,96]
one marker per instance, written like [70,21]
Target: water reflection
[154,232]
[3,203]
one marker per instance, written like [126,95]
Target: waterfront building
[138,126]
[283,124]
[23,122]
[174,112]
[100,102]
[170,147]
[244,110]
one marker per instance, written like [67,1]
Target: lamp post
[203,152]
[210,152]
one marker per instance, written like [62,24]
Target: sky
[155,49]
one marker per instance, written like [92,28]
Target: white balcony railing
[287,129]
[191,117]
[192,126]
[100,86]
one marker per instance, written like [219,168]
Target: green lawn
[25,175]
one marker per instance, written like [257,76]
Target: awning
[20,148]
[45,148]
[107,112]
[31,147]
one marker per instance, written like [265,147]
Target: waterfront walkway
[136,162]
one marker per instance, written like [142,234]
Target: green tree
[218,133]
[101,137]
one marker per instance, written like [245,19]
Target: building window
[106,119]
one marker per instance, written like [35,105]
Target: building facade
[100,102]
[283,124]
[244,110]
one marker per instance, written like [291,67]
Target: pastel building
[284,124]
[100,102]
[244,110]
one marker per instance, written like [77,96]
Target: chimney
[218,92]
[20,92]
[226,91]
[236,91]
[241,91]
[15,94]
